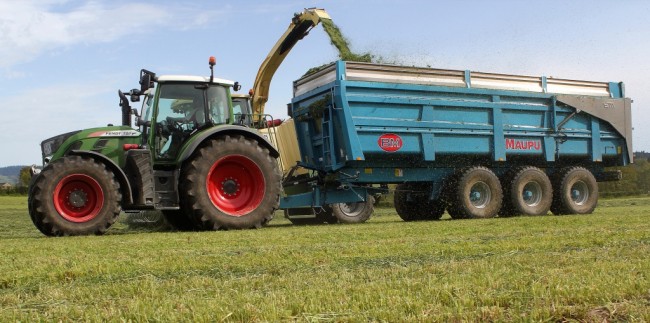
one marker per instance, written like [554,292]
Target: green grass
[584,268]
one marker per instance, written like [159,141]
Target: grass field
[583,268]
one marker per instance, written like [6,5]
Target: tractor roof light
[212,61]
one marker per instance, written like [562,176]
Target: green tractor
[190,157]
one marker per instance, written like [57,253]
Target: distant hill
[10,174]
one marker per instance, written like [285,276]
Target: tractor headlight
[51,145]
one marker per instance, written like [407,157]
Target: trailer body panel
[369,116]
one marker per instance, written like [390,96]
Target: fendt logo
[519,144]
[390,142]
[115,133]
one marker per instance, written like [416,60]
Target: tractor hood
[94,139]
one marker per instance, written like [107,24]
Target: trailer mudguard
[617,112]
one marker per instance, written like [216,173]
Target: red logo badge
[390,142]
[522,144]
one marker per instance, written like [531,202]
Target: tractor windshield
[184,108]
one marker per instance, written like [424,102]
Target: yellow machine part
[283,137]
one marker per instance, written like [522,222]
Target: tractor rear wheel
[576,192]
[74,196]
[231,182]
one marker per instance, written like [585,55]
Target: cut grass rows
[528,268]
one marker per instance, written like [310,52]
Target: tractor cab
[180,107]
[176,107]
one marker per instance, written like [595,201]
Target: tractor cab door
[242,111]
[182,109]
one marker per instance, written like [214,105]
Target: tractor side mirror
[146,80]
[236,86]
[135,95]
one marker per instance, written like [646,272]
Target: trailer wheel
[74,196]
[576,192]
[419,207]
[433,210]
[231,182]
[356,212]
[529,192]
[407,210]
[476,193]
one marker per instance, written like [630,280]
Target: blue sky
[62,62]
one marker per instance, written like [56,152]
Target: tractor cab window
[241,111]
[218,105]
[181,111]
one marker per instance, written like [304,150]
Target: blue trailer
[474,144]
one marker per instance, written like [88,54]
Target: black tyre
[576,192]
[433,210]
[412,203]
[528,192]
[74,196]
[355,212]
[507,209]
[179,220]
[231,182]
[405,208]
[474,192]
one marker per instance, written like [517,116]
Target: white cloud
[30,28]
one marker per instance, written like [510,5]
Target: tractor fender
[229,129]
[125,186]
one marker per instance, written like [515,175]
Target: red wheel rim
[78,198]
[235,185]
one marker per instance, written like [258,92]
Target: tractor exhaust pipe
[126,109]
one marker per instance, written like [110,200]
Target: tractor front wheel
[74,196]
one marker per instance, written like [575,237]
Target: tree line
[636,180]
[23,183]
